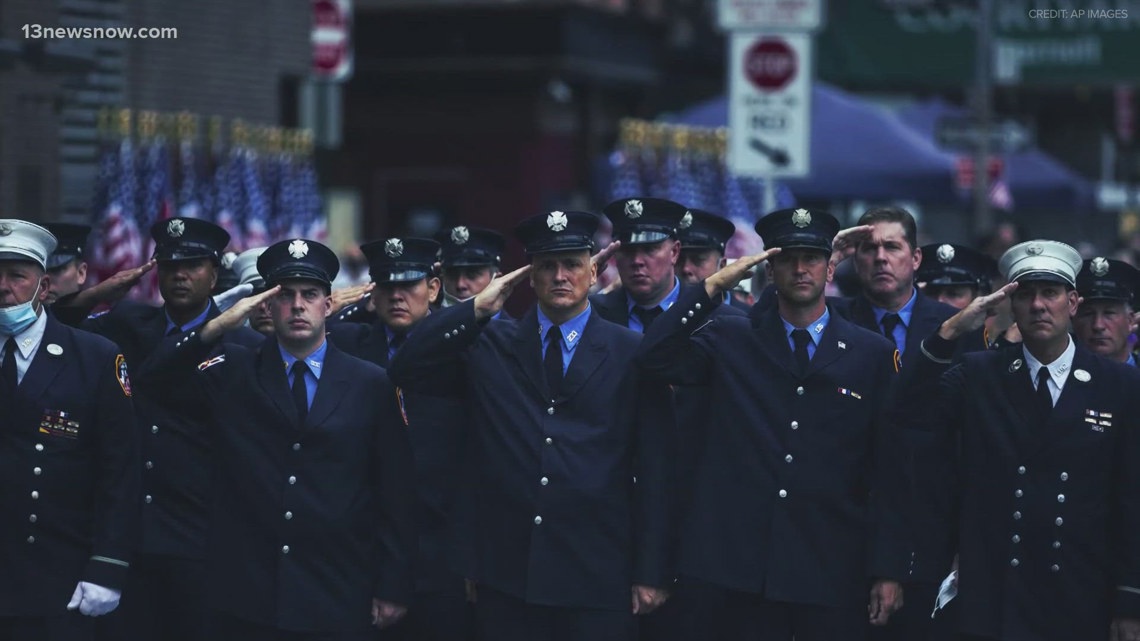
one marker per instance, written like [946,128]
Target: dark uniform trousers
[231,628]
[437,427]
[559,530]
[312,514]
[166,589]
[1046,513]
[797,499]
[69,484]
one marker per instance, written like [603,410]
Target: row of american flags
[698,180]
[258,197]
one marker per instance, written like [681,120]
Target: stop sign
[332,54]
[770,64]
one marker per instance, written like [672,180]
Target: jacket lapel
[773,339]
[828,350]
[589,355]
[274,380]
[612,307]
[1073,401]
[45,365]
[1019,393]
[331,386]
[528,351]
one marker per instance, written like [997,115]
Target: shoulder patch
[121,374]
[898,361]
[205,365]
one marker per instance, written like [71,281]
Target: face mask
[17,318]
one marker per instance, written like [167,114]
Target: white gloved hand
[94,600]
[226,299]
[946,592]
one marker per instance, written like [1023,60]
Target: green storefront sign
[1036,42]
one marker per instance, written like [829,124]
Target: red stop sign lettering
[770,64]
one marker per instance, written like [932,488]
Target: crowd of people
[952,453]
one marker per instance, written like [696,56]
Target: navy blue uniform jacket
[558,517]
[175,441]
[69,474]
[797,495]
[1046,514]
[311,520]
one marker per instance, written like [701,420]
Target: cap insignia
[298,249]
[556,221]
[633,209]
[175,228]
[801,218]
[686,220]
[945,253]
[393,248]
[459,235]
[1099,266]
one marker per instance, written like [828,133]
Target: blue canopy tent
[859,151]
[1036,180]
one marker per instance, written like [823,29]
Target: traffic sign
[331,37]
[771,15]
[769,104]
[965,134]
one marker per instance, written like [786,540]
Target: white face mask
[17,318]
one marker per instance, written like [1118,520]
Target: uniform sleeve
[669,352]
[655,467]
[177,358]
[117,483]
[431,358]
[1127,537]
[395,479]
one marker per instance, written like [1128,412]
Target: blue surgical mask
[17,318]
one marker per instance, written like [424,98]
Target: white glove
[226,299]
[94,600]
[946,592]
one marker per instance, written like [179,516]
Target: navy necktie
[8,375]
[552,361]
[802,338]
[300,391]
[1044,396]
[647,316]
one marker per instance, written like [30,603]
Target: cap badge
[686,220]
[801,218]
[1015,365]
[298,249]
[556,221]
[1034,250]
[459,235]
[5,229]
[633,208]
[175,228]
[394,248]
[1099,266]
[945,253]
[1082,376]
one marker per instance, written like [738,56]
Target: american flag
[227,194]
[156,203]
[276,176]
[255,205]
[118,243]
[627,175]
[190,191]
[681,183]
[309,219]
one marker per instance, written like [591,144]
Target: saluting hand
[603,256]
[974,315]
[886,599]
[490,301]
[734,272]
[114,288]
[647,599]
[236,315]
[346,296]
[845,243]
